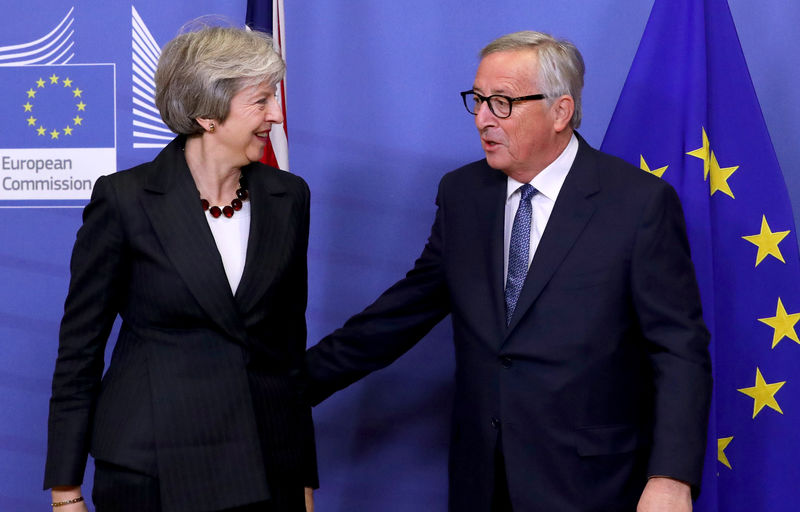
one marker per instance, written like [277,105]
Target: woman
[202,253]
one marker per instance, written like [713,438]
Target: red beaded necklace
[235,206]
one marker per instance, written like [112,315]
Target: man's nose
[484,116]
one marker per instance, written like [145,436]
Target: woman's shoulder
[166,160]
[129,175]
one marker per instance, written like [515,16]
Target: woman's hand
[309,499]
[73,507]
[59,494]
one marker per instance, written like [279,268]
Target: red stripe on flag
[269,157]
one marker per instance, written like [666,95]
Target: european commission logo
[59,119]
[68,106]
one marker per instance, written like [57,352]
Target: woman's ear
[209,125]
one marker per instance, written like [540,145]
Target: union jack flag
[269,16]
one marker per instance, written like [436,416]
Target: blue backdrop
[374,121]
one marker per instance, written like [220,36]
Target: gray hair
[561,66]
[201,70]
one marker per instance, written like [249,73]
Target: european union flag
[688,113]
[64,106]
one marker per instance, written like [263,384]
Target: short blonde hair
[200,71]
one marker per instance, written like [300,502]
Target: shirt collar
[548,182]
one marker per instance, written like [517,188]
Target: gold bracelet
[67,502]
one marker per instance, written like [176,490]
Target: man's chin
[495,162]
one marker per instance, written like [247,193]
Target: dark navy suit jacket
[603,376]
[199,390]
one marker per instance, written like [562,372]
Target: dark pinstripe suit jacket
[200,389]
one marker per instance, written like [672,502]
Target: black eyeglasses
[499,105]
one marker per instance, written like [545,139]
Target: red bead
[228,211]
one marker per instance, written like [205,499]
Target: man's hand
[662,494]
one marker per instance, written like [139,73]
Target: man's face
[525,142]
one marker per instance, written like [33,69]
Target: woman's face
[243,135]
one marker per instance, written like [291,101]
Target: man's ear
[563,108]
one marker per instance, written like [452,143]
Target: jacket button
[506,362]
[495,423]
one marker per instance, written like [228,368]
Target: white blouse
[231,236]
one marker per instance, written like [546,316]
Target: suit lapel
[492,199]
[172,204]
[571,213]
[269,216]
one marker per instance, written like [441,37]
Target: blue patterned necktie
[518,250]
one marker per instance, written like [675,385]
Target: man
[582,368]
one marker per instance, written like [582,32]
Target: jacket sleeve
[89,312]
[310,471]
[389,327]
[667,302]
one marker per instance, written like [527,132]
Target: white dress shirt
[231,236]
[548,184]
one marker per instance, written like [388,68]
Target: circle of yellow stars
[32,120]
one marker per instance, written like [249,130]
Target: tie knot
[527,192]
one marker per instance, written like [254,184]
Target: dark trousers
[501,500]
[118,489]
